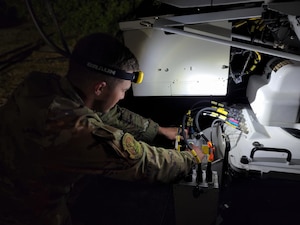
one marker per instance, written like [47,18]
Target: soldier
[55,130]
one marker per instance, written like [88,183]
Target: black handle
[289,154]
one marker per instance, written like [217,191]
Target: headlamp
[136,77]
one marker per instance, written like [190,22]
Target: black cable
[52,14]
[42,32]
[183,132]
[207,102]
[183,129]
[19,56]
[14,50]
[198,115]
[225,165]
[196,121]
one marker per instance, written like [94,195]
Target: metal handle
[289,154]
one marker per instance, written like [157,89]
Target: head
[95,86]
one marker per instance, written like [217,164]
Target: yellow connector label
[222,111]
[205,149]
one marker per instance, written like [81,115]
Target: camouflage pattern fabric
[49,140]
[122,118]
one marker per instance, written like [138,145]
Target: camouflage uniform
[49,140]
[141,128]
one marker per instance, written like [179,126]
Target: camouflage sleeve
[110,152]
[148,162]
[141,128]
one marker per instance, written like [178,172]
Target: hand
[198,151]
[170,132]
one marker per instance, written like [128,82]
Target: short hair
[102,49]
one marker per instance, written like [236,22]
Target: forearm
[167,165]
[140,127]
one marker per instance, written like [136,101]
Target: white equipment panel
[262,148]
[175,65]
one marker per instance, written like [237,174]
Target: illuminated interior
[174,65]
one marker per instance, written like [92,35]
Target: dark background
[246,199]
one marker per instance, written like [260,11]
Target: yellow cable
[196,156]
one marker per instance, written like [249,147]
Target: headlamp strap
[136,77]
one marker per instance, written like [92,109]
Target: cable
[42,32]
[20,54]
[183,130]
[213,124]
[198,115]
[51,11]
[253,56]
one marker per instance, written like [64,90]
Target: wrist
[195,155]
[160,130]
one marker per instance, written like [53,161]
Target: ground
[23,50]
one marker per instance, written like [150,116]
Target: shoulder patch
[132,146]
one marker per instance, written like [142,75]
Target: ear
[99,87]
